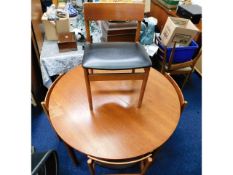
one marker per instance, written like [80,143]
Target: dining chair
[45,106]
[114,56]
[144,161]
[183,102]
[184,68]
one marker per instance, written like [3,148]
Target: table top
[116,129]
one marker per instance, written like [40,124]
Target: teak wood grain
[145,162]
[115,129]
[115,12]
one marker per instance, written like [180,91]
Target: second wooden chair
[144,161]
[45,106]
[183,102]
[184,68]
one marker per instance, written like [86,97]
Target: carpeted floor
[180,155]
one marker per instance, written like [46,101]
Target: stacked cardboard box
[178,30]
[53,28]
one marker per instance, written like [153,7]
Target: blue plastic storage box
[182,53]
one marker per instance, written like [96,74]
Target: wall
[147,5]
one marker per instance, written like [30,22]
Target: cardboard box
[180,30]
[52,28]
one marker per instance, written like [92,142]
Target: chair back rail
[115,12]
[172,66]
[171,55]
[45,103]
[45,106]
[198,55]
[145,163]
[121,162]
[183,103]
[185,68]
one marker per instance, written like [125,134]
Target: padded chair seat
[115,56]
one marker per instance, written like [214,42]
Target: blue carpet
[180,155]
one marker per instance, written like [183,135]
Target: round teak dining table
[116,129]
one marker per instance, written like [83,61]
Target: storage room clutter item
[125,1]
[54,27]
[148,30]
[170,4]
[178,30]
[118,31]
[67,42]
[182,53]
[192,12]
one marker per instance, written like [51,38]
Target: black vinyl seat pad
[115,56]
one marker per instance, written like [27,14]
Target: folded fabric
[148,30]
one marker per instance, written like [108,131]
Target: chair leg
[162,70]
[187,77]
[143,87]
[72,154]
[88,86]
[146,165]
[91,167]
[142,165]
[91,71]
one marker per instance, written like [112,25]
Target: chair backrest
[183,103]
[45,103]
[115,12]
[170,65]
[190,63]
[145,163]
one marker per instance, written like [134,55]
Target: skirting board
[198,72]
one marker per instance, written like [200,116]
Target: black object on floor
[44,163]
